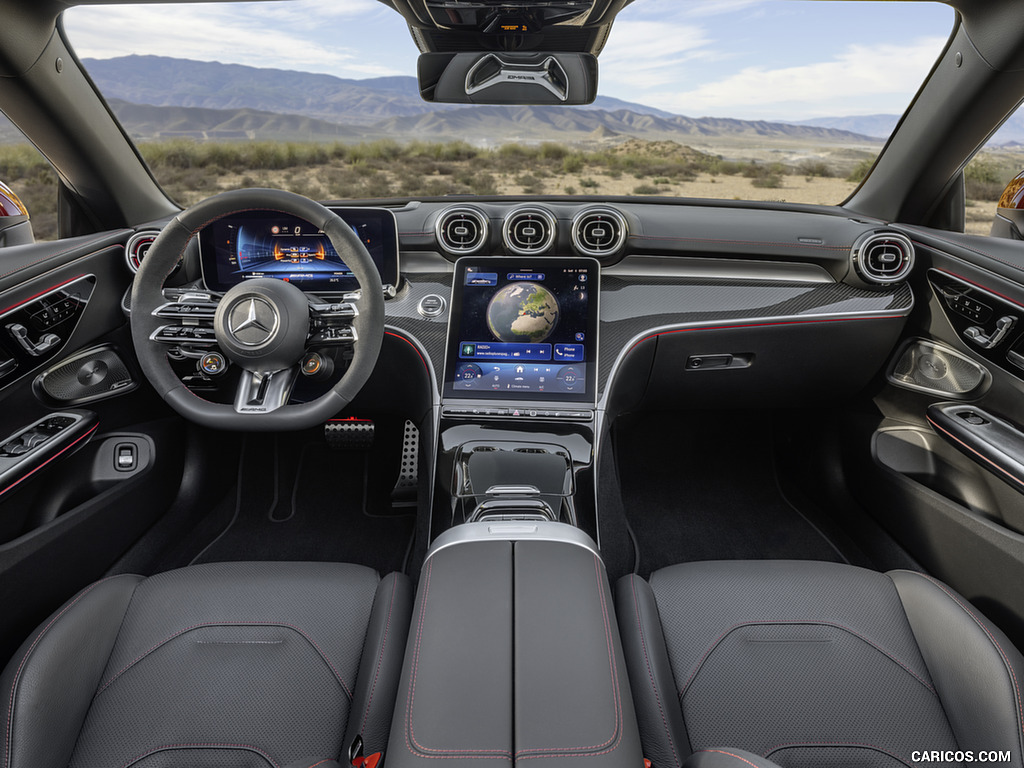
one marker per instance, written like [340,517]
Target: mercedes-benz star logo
[253,322]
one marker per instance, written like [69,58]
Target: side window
[994,181]
[28,185]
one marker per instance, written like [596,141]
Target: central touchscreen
[523,331]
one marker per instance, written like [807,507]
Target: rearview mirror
[508,78]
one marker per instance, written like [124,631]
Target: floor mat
[703,487]
[298,500]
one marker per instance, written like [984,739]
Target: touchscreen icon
[468,350]
[580,337]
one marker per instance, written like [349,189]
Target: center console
[516,438]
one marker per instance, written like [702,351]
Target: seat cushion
[804,663]
[227,664]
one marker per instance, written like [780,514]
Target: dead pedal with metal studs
[349,434]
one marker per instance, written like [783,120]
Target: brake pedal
[349,434]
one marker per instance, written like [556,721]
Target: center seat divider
[513,655]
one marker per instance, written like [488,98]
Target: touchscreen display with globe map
[253,244]
[523,331]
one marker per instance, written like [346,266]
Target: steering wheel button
[312,364]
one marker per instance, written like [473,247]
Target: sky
[748,59]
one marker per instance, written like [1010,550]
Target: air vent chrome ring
[528,231]
[598,232]
[461,230]
[137,247]
[883,258]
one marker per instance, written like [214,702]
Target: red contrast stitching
[650,672]
[380,657]
[811,622]
[848,745]
[995,643]
[168,747]
[24,659]
[979,285]
[310,640]
[730,754]
[325,760]
[410,736]
[613,675]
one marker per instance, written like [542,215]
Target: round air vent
[138,246]
[528,231]
[598,232]
[883,258]
[461,231]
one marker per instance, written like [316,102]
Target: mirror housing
[554,79]
[15,227]
[1009,220]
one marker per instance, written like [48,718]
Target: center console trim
[526,530]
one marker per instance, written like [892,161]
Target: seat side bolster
[380,667]
[660,717]
[977,672]
[49,684]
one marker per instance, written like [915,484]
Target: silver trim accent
[483,224]
[264,392]
[519,73]
[524,530]
[441,307]
[611,213]
[863,248]
[723,269]
[971,394]
[134,241]
[510,218]
[252,321]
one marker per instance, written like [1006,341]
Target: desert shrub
[588,184]
[767,181]
[646,189]
[860,171]
[817,168]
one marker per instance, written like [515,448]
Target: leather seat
[814,664]
[239,665]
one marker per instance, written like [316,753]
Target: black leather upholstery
[513,658]
[813,664]
[228,664]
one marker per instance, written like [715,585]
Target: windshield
[739,99]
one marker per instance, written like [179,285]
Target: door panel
[90,457]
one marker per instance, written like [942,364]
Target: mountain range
[161,97]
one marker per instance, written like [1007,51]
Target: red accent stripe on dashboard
[414,349]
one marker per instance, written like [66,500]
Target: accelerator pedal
[404,493]
[349,434]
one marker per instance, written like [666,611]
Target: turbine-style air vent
[883,258]
[461,231]
[598,232]
[138,247]
[528,231]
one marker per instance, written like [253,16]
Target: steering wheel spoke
[264,392]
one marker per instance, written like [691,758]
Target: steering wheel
[264,326]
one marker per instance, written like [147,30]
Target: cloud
[281,35]
[646,54]
[861,79]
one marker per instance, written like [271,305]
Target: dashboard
[566,305]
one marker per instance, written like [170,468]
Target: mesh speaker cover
[89,375]
[928,367]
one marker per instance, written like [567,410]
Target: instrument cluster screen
[523,331]
[256,244]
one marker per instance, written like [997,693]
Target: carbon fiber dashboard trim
[402,313]
[631,308]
